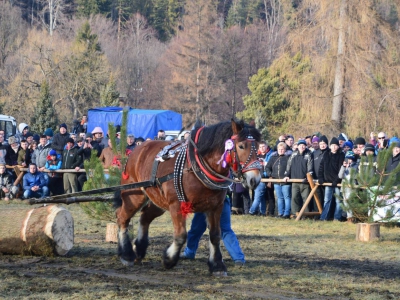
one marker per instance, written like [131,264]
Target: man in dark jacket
[299,164]
[318,154]
[329,172]
[71,160]
[60,139]
[394,160]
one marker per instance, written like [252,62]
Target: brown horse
[194,176]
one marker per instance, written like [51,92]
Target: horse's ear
[237,126]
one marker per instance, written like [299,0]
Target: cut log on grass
[112,233]
[43,231]
[368,232]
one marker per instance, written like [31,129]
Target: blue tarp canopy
[141,122]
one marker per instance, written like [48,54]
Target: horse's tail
[117,199]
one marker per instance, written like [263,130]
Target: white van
[9,125]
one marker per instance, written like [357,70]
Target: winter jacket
[107,157]
[317,158]
[393,162]
[21,156]
[12,156]
[71,159]
[277,165]
[59,142]
[53,165]
[39,156]
[299,165]
[5,181]
[330,167]
[30,180]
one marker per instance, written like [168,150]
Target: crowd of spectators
[44,154]
[327,162]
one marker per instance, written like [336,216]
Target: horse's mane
[213,137]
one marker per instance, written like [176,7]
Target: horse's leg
[215,263]
[132,202]
[171,253]
[148,214]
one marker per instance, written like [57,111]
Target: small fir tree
[109,96]
[45,115]
[95,174]
[374,193]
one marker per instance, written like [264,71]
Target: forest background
[292,66]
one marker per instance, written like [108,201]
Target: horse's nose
[253,183]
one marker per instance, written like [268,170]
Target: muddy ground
[285,260]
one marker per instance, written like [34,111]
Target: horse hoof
[220,274]
[126,263]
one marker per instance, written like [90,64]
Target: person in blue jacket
[35,184]
[198,227]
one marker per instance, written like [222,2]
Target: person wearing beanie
[315,143]
[55,179]
[358,147]
[349,164]
[41,153]
[71,160]
[23,132]
[36,138]
[299,164]
[60,139]
[342,139]
[318,155]
[395,158]
[329,172]
[347,146]
[369,149]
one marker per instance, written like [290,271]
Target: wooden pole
[310,196]
[312,184]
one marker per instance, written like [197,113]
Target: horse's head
[244,161]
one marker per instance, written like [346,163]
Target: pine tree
[109,96]
[95,173]
[374,191]
[44,116]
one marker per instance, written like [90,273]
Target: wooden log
[112,233]
[46,231]
[368,232]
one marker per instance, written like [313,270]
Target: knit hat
[350,155]
[394,140]
[348,144]
[359,141]
[89,135]
[71,140]
[11,140]
[36,137]
[300,142]
[369,147]
[139,139]
[324,139]
[63,125]
[53,152]
[97,130]
[22,126]
[29,134]
[79,139]
[315,139]
[334,141]
[342,137]
[48,132]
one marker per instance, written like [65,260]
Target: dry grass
[285,260]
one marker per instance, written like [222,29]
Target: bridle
[248,165]
[238,168]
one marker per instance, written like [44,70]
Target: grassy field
[285,260]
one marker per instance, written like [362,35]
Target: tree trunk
[338,88]
[47,231]
[368,232]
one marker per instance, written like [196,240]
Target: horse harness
[187,151]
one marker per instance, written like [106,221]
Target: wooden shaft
[316,199]
[19,178]
[306,203]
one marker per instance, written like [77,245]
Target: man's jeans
[41,193]
[330,193]
[199,225]
[260,202]
[284,194]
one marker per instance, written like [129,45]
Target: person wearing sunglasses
[381,142]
